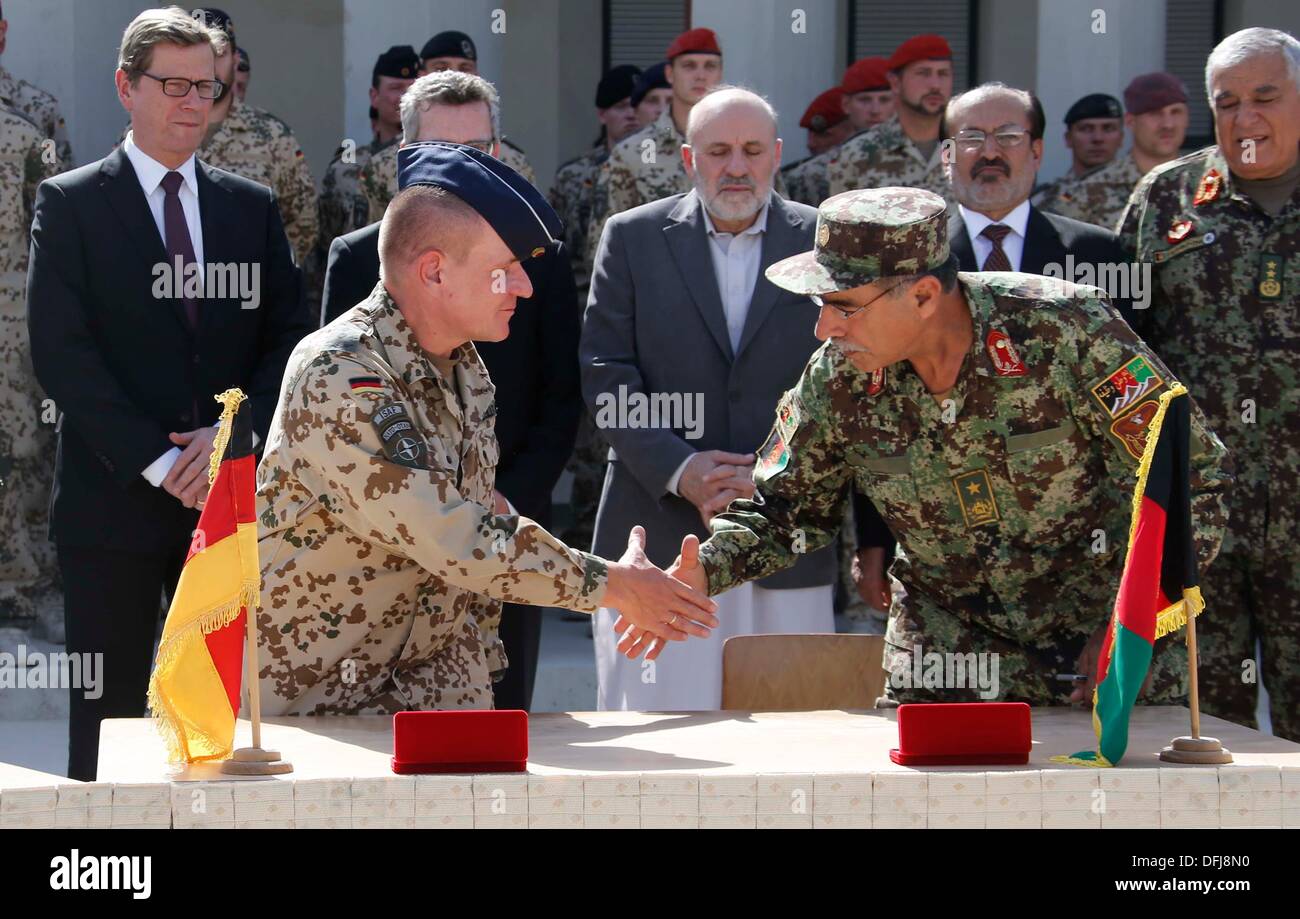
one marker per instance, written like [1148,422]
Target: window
[640,31]
[1192,29]
[877,27]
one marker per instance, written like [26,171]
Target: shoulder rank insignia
[1131,430]
[1126,385]
[1208,190]
[397,436]
[366,384]
[1005,360]
[975,495]
[877,384]
[1178,232]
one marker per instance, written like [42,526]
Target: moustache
[745,181]
[982,164]
[845,347]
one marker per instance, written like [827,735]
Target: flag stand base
[255,761]
[1196,751]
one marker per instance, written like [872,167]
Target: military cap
[694,41]
[1152,91]
[398,62]
[517,211]
[1093,105]
[449,44]
[920,48]
[216,19]
[651,78]
[825,112]
[866,75]
[865,235]
[616,85]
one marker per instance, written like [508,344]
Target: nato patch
[398,439]
[975,495]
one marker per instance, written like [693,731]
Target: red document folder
[963,734]
[460,741]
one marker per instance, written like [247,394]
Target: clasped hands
[657,606]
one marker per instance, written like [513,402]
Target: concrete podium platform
[700,770]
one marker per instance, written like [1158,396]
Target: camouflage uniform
[379,176]
[343,206]
[42,110]
[634,181]
[383,564]
[884,156]
[1224,315]
[808,181]
[26,454]
[1097,197]
[257,145]
[574,199]
[995,507]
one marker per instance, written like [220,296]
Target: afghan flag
[194,689]
[1159,587]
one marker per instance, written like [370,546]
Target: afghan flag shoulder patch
[1126,384]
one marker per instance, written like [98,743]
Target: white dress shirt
[1013,244]
[150,172]
[736,260]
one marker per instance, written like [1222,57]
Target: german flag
[194,688]
[1160,586]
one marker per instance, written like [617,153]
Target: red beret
[866,75]
[695,41]
[825,112]
[1153,91]
[920,48]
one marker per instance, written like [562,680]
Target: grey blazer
[655,324]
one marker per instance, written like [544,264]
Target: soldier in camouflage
[828,126]
[1094,132]
[386,550]
[38,107]
[906,149]
[1220,229]
[1157,117]
[343,207]
[983,415]
[26,461]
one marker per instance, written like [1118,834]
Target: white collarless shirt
[1013,244]
[150,174]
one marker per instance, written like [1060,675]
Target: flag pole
[1194,750]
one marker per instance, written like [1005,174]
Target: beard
[991,196]
[734,205]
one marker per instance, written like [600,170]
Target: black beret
[616,85]
[651,78]
[1096,105]
[244,60]
[509,203]
[449,44]
[398,62]
[216,19]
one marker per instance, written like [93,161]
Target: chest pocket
[1051,476]
[888,482]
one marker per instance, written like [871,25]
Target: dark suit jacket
[535,369]
[124,367]
[655,324]
[1048,240]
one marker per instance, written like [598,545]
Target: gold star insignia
[973,488]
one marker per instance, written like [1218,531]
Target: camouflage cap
[866,235]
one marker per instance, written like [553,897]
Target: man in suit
[997,132]
[679,314]
[534,369]
[133,333]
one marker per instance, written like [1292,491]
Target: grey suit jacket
[655,324]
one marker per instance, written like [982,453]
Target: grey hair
[169,26]
[732,91]
[1248,43]
[447,87]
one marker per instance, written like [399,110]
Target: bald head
[732,154]
[734,104]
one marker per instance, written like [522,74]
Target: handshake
[657,606]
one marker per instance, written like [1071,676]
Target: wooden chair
[799,673]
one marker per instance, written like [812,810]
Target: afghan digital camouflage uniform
[383,564]
[379,176]
[1224,316]
[257,145]
[343,205]
[883,156]
[1097,197]
[996,496]
[42,110]
[26,457]
[574,199]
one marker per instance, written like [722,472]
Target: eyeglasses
[1006,138]
[180,87]
[482,146]
[849,314]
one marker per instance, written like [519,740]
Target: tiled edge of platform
[1228,797]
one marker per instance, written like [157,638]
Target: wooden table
[713,769]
